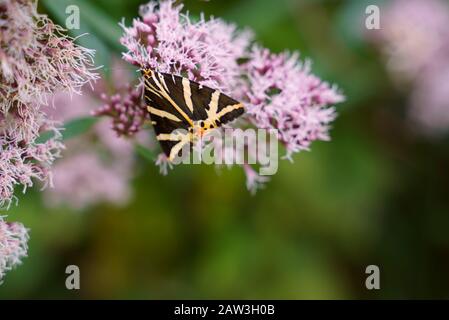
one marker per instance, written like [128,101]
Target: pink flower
[83,179]
[21,164]
[284,95]
[13,245]
[412,33]
[278,91]
[36,61]
[429,101]
[168,41]
[97,166]
[127,110]
[415,40]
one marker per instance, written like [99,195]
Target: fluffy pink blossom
[284,95]
[83,179]
[415,40]
[97,166]
[13,245]
[412,34]
[127,110]
[36,61]
[20,165]
[278,90]
[429,101]
[168,41]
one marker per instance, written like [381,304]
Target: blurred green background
[376,194]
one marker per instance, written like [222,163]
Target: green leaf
[72,129]
[44,137]
[78,126]
[146,153]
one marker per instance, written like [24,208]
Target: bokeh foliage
[376,194]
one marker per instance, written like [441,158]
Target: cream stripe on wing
[229,108]
[182,138]
[175,136]
[169,137]
[167,96]
[163,114]
[151,88]
[162,80]
[213,104]
[187,93]
[174,151]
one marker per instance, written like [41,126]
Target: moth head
[147,72]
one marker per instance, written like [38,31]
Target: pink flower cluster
[168,41]
[127,110]
[415,40]
[36,60]
[278,90]
[97,166]
[283,94]
[13,245]
[21,164]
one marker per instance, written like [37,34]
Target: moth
[176,103]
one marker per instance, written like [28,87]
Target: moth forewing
[182,110]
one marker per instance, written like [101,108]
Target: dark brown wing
[177,103]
